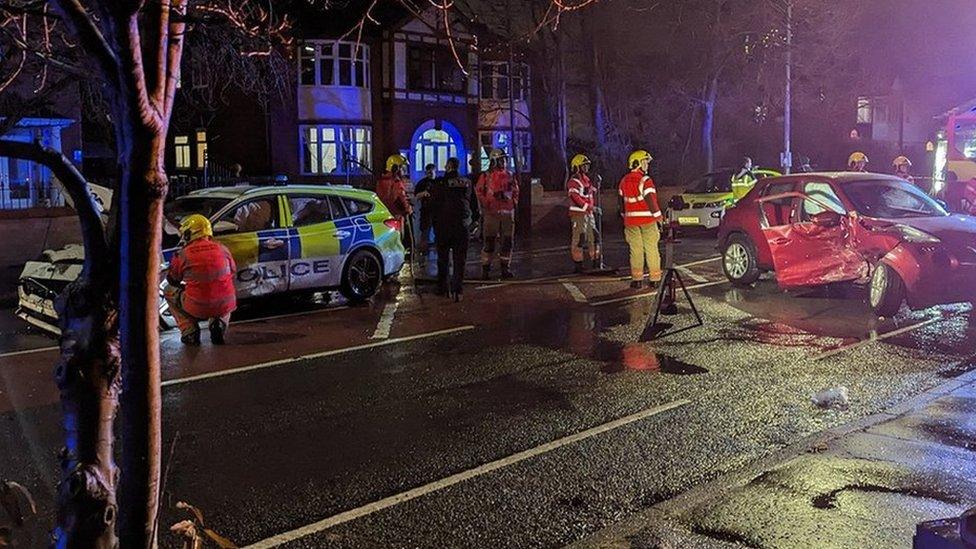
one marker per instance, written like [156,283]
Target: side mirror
[826,218]
[222,227]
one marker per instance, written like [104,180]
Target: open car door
[810,241]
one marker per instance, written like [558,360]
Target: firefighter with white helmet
[498,194]
[857,162]
[903,166]
[582,206]
[641,213]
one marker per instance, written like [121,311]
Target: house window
[334,64]
[201,149]
[182,143]
[330,150]
[495,81]
[500,140]
[434,147]
[864,110]
[434,68]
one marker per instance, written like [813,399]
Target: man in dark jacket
[454,208]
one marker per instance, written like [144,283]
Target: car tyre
[886,291]
[362,276]
[739,261]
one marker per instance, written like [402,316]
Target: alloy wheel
[736,260]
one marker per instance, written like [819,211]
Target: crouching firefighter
[581,209]
[453,208]
[201,282]
[498,193]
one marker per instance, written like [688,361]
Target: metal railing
[25,194]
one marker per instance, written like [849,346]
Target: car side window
[779,211]
[309,210]
[824,195]
[254,215]
[339,207]
[357,207]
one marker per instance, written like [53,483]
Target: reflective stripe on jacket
[581,199]
[206,270]
[637,190]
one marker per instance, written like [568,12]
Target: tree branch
[175,44]
[92,230]
[83,26]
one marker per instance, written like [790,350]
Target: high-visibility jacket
[637,189]
[393,193]
[206,270]
[498,192]
[581,195]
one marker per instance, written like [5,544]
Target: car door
[254,232]
[316,247]
[812,245]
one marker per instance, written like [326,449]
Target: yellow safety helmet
[194,227]
[856,157]
[398,161]
[495,154]
[901,161]
[578,161]
[635,157]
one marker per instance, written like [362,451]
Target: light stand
[666,302]
[602,270]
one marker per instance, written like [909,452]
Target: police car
[292,238]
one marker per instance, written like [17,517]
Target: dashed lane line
[323,354]
[874,336]
[652,294]
[29,351]
[691,274]
[458,478]
[701,262]
[385,323]
[575,292]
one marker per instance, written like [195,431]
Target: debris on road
[835,398]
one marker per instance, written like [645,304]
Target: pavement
[529,415]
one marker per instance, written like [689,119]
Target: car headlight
[911,234]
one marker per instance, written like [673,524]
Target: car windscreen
[892,200]
[206,206]
[720,182]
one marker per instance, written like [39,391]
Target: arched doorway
[433,143]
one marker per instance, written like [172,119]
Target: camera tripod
[666,302]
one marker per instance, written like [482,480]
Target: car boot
[578,269]
[218,329]
[507,271]
[485,272]
[191,338]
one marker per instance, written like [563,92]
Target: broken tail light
[394,224]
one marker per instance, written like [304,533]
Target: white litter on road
[575,292]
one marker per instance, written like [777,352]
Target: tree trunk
[708,124]
[143,189]
[87,372]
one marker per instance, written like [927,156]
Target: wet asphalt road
[278,447]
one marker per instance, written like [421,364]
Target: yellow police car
[297,238]
[291,238]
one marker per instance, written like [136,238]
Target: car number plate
[688,220]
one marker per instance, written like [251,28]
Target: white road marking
[575,292]
[652,294]
[263,365]
[529,253]
[702,262]
[458,478]
[29,351]
[874,336]
[289,315]
[385,323]
[688,272]
[485,285]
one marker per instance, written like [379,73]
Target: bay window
[334,149]
[334,64]
[495,81]
[500,140]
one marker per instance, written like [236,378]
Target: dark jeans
[456,242]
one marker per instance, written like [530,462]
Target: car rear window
[357,207]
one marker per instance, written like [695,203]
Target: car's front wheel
[362,276]
[886,292]
[739,261]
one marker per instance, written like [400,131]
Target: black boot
[595,264]
[217,331]
[635,284]
[507,271]
[579,267]
[485,272]
[191,338]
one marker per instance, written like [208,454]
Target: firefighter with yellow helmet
[641,213]
[903,166]
[582,206]
[498,194]
[857,162]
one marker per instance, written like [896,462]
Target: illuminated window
[500,140]
[333,64]
[201,149]
[864,110]
[336,149]
[182,143]
[434,147]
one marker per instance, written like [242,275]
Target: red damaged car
[873,229]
